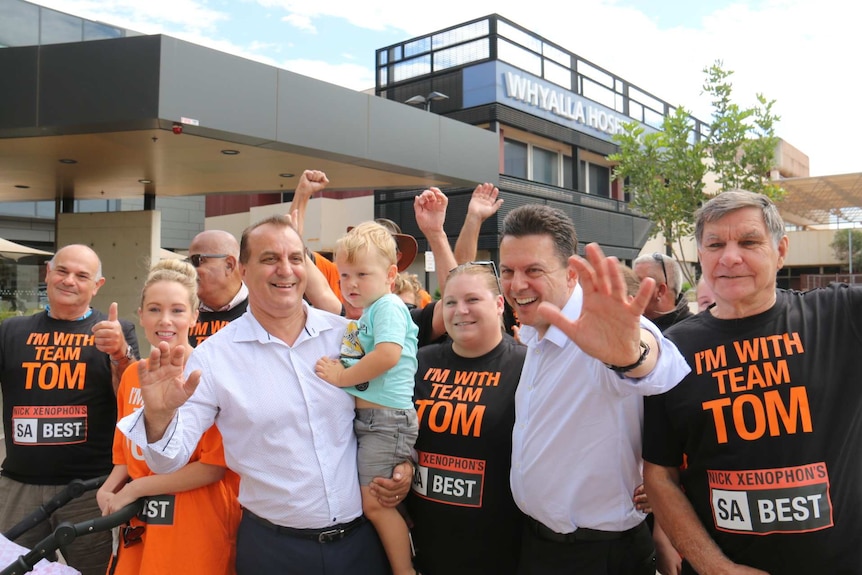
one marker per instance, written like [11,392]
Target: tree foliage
[664,174]
[741,142]
[664,170]
[842,241]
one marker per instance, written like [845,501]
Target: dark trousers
[260,550]
[632,554]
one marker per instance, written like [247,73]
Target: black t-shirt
[59,407]
[770,422]
[209,322]
[465,519]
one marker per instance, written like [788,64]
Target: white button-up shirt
[576,449]
[287,433]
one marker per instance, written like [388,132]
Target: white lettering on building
[562,103]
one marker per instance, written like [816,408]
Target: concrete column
[127,243]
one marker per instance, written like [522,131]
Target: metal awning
[822,200]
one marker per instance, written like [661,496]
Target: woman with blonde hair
[190,518]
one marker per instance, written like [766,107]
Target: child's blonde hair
[365,237]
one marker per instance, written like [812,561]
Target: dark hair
[539,220]
[278,221]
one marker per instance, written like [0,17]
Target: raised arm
[608,328]
[430,210]
[484,203]
[310,182]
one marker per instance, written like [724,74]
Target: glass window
[19,25]
[546,166]
[567,172]
[412,68]
[58,28]
[417,47]
[99,31]
[515,159]
[382,57]
[472,52]
[558,75]
[460,34]
[600,180]
[556,54]
[582,177]
[598,93]
[595,74]
[383,74]
[519,36]
[519,57]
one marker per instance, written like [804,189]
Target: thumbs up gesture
[109,335]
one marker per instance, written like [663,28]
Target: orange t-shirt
[188,532]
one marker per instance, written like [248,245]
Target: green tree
[663,172]
[741,142]
[842,241]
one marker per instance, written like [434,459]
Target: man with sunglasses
[668,304]
[223,295]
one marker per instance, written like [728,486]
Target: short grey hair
[671,266]
[732,200]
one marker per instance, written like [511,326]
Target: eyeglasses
[660,259]
[132,534]
[492,267]
[197,259]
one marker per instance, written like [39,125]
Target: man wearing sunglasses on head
[668,304]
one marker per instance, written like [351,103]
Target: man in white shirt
[576,450]
[288,434]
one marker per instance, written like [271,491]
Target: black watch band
[635,365]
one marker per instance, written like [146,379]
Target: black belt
[325,535]
[581,534]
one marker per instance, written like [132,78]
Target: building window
[546,166]
[599,181]
[515,159]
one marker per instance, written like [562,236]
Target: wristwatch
[635,365]
[129,355]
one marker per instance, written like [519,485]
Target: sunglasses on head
[660,259]
[197,259]
[490,265]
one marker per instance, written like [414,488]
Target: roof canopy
[100,119]
[822,200]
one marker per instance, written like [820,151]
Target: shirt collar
[555,335]
[240,297]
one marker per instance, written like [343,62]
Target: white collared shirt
[576,449]
[287,433]
[240,297]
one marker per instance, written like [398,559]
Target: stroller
[66,532]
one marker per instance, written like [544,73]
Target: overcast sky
[802,53]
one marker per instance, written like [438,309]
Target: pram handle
[66,532]
[73,490]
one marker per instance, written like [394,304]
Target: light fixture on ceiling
[230,152]
[22,187]
[68,161]
[145,181]
[286,175]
